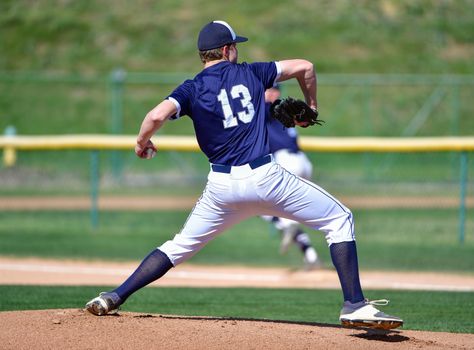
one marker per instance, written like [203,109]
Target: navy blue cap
[217,34]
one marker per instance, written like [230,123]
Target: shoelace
[379,302]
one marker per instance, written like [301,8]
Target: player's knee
[341,229]
[182,247]
[349,222]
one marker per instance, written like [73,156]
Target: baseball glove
[290,111]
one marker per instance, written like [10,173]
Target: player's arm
[153,121]
[303,71]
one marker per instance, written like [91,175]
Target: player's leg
[291,232]
[154,266]
[288,229]
[311,205]
[204,224]
[311,256]
[302,239]
[206,220]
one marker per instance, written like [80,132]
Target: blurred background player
[284,146]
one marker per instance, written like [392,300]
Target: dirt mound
[77,329]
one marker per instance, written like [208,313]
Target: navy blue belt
[294,151]
[254,164]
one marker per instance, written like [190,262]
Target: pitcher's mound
[77,329]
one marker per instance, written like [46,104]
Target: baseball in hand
[150,153]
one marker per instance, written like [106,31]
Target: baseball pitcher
[227,106]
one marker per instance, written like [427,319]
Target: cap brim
[240,39]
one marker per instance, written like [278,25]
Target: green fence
[352,105]
[11,144]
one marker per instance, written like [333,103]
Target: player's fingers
[139,151]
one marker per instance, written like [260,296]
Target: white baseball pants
[267,190]
[298,164]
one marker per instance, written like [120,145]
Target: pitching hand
[146,152]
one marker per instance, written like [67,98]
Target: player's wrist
[142,143]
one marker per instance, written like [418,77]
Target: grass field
[434,311]
[184,173]
[401,36]
[76,47]
[387,239]
[57,57]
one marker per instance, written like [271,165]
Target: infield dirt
[77,329]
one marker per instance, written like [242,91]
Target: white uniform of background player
[284,146]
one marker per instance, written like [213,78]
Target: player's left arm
[153,121]
[303,71]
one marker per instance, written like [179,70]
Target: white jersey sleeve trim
[278,67]
[178,107]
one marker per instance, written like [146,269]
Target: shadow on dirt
[214,318]
[389,336]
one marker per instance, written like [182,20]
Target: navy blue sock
[344,258]
[154,266]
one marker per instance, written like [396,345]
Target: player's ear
[226,51]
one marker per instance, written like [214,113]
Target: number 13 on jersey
[245,115]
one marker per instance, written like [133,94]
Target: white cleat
[105,304]
[364,314]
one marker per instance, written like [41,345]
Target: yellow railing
[188,143]
[462,144]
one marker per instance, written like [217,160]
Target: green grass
[87,40]
[57,58]
[400,36]
[349,108]
[387,239]
[184,173]
[64,54]
[421,310]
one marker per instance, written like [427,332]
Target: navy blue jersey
[279,136]
[226,103]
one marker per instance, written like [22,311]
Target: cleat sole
[386,325]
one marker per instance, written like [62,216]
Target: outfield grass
[77,45]
[423,240]
[184,173]
[87,40]
[421,310]
[401,36]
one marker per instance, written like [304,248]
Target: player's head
[273,93]
[217,40]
